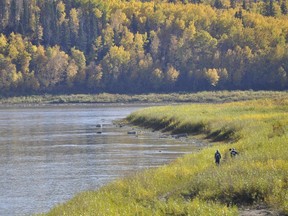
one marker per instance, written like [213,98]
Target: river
[50,153]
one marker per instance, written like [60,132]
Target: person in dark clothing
[217,157]
[233,152]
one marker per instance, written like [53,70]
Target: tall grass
[193,184]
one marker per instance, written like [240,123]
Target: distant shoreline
[71,105]
[165,98]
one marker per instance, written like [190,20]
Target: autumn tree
[55,64]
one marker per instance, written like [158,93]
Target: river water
[50,153]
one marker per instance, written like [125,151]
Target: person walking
[217,157]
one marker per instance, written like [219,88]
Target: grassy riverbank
[193,185]
[200,97]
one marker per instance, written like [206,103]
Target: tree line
[81,46]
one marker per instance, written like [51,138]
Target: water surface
[50,153]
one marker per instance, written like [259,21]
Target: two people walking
[218,156]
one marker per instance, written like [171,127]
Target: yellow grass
[193,185]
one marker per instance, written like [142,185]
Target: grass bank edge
[192,185]
[251,126]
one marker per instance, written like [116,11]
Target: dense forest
[92,46]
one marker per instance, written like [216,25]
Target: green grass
[193,185]
[200,97]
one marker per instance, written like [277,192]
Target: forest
[134,47]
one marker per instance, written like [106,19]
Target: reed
[193,184]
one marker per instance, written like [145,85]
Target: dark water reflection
[48,154]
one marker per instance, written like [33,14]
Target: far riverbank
[106,98]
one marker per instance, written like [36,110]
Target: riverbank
[193,184]
[200,97]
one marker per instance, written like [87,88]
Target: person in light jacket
[233,152]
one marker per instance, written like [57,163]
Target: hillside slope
[88,46]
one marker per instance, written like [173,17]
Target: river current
[50,153]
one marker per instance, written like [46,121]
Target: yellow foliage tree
[212,76]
